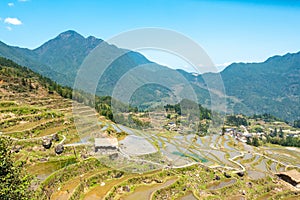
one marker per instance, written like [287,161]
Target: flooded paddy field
[179,166]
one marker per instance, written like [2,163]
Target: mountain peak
[63,41]
[91,38]
[283,57]
[69,33]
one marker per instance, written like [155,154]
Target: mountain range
[271,87]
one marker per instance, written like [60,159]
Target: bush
[14,182]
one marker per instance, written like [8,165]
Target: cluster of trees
[131,120]
[287,141]
[233,120]
[276,133]
[135,122]
[188,107]
[173,108]
[63,91]
[253,141]
[195,113]
[14,182]
[12,76]
[27,78]
[297,123]
[265,117]
[276,137]
[28,83]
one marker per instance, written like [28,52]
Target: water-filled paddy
[133,145]
[219,185]
[144,192]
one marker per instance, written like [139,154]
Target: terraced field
[75,174]
[149,164]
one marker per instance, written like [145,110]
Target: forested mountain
[272,86]
[60,59]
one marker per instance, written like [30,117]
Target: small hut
[106,144]
[292,177]
[59,149]
[47,143]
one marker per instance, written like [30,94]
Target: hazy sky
[229,31]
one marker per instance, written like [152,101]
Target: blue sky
[229,31]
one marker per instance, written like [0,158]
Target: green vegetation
[297,123]
[33,108]
[254,85]
[287,141]
[28,80]
[265,117]
[186,106]
[247,85]
[254,141]
[14,181]
[233,120]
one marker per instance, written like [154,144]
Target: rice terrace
[146,114]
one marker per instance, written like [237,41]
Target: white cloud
[10,4]
[12,21]
[9,28]
[23,0]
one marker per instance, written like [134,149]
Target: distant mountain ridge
[271,87]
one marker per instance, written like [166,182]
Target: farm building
[292,177]
[104,144]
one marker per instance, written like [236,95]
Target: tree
[202,128]
[255,142]
[281,134]
[236,120]
[248,141]
[23,81]
[297,123]
[275,132]
[223,130]
[14,182]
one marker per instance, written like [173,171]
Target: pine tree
[255,142]
[275,132]
[281,134]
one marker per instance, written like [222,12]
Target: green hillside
[272,86]
[252,88]
[46,156]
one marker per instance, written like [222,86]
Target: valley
[150,100]
[148,164]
